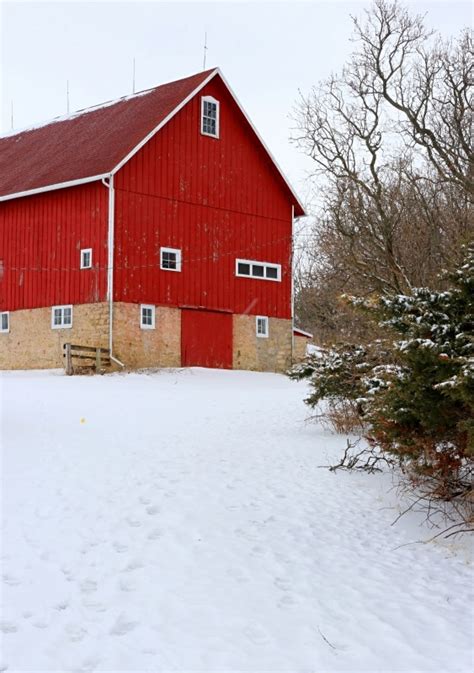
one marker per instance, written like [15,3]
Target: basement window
[263,270]
[61,317]
[147,316]
[170,259]
[261,326]
[5,321]
[210,116]
[86,258]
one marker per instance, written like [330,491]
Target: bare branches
[367,459]
[391,141]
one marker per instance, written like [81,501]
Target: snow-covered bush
[416,391]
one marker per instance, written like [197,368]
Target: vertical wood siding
[40,241]
[217,200]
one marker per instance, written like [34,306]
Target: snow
[178,521]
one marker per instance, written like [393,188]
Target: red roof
[92,143]
[88,143]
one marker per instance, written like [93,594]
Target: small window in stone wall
[147,316]
[261,326]
[5,322]
[61,317]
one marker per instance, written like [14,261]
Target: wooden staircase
[82,359]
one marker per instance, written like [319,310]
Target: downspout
[110,262]
[292,282]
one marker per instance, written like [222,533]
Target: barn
[157,226]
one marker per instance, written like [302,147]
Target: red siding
[40,241]
[216,200]
[206,339]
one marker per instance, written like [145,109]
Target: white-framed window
[86,258]
[210,116]
[147,316]
[261,326]
[61,317]
[5,321]
[170,259]
[248,268]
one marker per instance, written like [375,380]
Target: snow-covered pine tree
[426,412]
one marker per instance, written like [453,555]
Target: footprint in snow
[154,534]
[75,633]
[122,626]
[10,580]
[133,565]
[119,547]
[135,523]
[145,501]
[152,510]
[63,605]
[88,665]
[8,627]
[97,607]
[282,583]
[88,586]
[257,635]
[127,585]
[287,602]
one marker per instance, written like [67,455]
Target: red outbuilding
[157,226]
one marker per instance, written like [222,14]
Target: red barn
[158,226]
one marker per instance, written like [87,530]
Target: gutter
[110,262]
[292,281]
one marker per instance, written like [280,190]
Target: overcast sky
[267,51]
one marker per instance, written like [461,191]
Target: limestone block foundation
[136,347]
[31,343]
[270,354]
[299,347]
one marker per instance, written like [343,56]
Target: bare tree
[391,142]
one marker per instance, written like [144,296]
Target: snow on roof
[300,332]
[89,142]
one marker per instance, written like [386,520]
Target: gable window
[5,321]
[210,116]
[86,258]
[261,326]
[61,317]
[263,270]
[170,259]
[147,316]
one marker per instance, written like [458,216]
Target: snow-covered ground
[178,521]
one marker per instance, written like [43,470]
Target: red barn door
[206,339]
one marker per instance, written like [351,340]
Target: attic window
[210,116]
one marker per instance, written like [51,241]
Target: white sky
[267,51]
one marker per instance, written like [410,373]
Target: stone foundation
[299,347]
[136,347]
[269,354]
[32,344]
